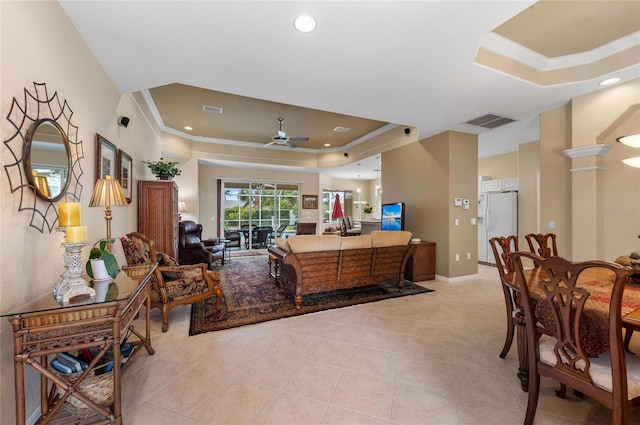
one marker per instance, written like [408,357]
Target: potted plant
[368,209]
[101,252]
[164,170]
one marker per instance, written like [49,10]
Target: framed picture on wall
[106,158]
[124,173]
[309,202]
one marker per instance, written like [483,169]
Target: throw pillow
[168,261]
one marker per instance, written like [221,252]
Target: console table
[422,264]
[44,328]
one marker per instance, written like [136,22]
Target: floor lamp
[107,193]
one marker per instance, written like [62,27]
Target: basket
[97,388]
[136,271]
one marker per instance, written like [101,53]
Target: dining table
[599,283]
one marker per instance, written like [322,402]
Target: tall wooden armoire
[158,214]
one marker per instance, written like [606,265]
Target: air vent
[341,129]
[489,121]
[212,109]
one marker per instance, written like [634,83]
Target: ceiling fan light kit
[281,138]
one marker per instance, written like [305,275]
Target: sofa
[318,263]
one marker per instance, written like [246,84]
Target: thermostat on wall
[457,202]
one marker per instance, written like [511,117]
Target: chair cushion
[382,238]
[191,283]
[600,368]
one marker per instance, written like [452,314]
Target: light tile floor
[423,359]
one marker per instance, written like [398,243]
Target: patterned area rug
[250,296]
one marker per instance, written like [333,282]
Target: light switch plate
[457,202]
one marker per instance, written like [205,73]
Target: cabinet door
[509,185]
[491,186]
[158,214]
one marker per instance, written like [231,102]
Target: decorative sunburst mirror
[46,155]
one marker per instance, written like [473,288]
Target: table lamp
[182,207]
[107,193]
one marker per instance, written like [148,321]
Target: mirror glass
[47,159]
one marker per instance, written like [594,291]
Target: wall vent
[212,109]
[489,121]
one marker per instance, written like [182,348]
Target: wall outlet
[457,257]
[473,221]
[468,256]
[457,222]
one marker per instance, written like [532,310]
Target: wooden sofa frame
[321,271]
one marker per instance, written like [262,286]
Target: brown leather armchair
[193,250]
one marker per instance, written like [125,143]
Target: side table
[44,328]
[226,252]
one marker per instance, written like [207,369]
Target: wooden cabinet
[422,264]
[158,214]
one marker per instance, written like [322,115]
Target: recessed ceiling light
[304,23]
[610,81]
[327,144]
[188,128]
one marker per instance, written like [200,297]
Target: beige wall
[555,177]
[427,176]
[39,44]
[498,167]
[528,170]
[597,118]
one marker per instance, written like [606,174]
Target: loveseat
[319,263]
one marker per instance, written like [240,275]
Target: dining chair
[543,245]
[611,378]
[501,247]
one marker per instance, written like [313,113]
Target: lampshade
[632,140]
[107,193]
[182,206]
[632,162]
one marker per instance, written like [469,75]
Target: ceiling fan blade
[268,144]
[298,139]
[291,145]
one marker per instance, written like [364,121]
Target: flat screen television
[392,216]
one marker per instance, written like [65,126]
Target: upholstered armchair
[193,250]
[348,227]
[172,284]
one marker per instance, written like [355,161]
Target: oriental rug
[251,296]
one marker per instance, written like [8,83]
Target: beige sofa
[320,263]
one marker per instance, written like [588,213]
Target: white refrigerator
[497,216]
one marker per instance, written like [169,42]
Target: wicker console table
[44,328]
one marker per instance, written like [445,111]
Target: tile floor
[424,359]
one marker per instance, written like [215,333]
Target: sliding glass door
[251,205]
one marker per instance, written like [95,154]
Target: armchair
[193,250]
[172,284]
[348,227]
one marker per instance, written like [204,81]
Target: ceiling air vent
[341,129]
[212,109]
[489,121]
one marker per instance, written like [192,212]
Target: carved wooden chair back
[560,311]
[501,247]
[543,245]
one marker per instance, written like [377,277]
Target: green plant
[100,250]
[163,168]
[368,209]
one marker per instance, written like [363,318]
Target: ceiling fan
[281,138]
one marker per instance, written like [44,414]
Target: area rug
[251,296]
